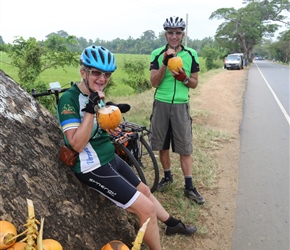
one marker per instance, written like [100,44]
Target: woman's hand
[101,94]
[115,131]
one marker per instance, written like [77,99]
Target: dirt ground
[223,96]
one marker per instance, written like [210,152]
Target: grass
[71,74]
[205,168]
[205,139]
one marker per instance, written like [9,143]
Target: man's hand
[166,58]
[94,99]
[181,76]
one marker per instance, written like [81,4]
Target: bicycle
[132,144]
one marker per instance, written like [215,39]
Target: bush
[210,55]
[136,75]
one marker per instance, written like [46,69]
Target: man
[170,120]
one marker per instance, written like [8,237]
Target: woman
[98,166]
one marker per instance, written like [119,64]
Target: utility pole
[186,31]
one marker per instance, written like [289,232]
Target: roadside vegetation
[131,76]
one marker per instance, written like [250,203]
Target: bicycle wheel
[148,164]
[126,155]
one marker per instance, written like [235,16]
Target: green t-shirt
[171,90]
[99,150]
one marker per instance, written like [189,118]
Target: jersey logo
[67,109]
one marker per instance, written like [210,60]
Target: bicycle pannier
[68,156]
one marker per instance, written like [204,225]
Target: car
[234,61]
[259,58]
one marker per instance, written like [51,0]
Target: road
[262,214]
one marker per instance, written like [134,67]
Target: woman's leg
[144,208]
[161,213]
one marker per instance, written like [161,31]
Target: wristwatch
[186,80]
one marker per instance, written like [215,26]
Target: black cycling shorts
[115,180]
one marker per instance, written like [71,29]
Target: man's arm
[156,76]
[193,80]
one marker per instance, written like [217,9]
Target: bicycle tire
[131,160]
[149,165]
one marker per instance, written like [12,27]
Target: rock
[30,139]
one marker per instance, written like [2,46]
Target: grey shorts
[171,124]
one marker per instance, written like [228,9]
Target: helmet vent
[101,55]
[109,58]
[86,53]
[94,55]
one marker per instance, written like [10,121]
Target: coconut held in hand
[174,63]
[109,117]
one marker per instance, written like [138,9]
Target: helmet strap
[87,82]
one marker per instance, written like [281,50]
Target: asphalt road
[262,214]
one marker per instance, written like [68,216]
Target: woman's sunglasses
[97,73]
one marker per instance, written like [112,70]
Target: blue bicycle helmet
[98,57]
[174,22]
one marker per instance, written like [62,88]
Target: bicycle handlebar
[132,127]
[54,89]
[48,92]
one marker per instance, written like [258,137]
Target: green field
[71,74]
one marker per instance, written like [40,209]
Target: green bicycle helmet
[98,57]
[174,22]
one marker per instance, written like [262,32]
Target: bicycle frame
[147,166]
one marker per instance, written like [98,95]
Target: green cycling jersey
[171,90]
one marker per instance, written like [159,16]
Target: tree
[60,33]
[1,40]
[26,56]
[148,35]
[32,57]
[244,28]
[210,55]
[263,49]
[280,50]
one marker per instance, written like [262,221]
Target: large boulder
[30,139]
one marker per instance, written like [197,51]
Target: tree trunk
[30,139]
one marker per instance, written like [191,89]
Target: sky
[106,19]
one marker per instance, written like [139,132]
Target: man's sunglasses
[97,73]
[171,33]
